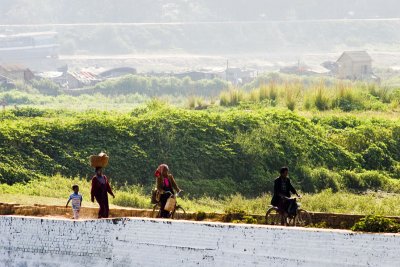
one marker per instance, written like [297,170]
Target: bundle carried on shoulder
[100,160]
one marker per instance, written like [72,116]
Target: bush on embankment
[210,152]
[377,223]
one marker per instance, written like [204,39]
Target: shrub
[376,158]
[233,97]
[291,97]
[322,224]
[325,179]
[29,112]
[347,100]
[396,171]
[321,100]
[127,199]
[382,93]
[375,223]
[373,179]
[234,214]
[272,92]
[46,87]
[200,216]
[249,220]
[352,181]
[304,178]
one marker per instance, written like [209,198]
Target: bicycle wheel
[179,213]
[273,217]
[156,211]
[303,218]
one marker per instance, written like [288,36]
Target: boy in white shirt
[76,201]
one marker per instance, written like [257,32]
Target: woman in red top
[100,188]
[165,183]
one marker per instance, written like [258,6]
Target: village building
[79,79]
[12,73]
[57,77]
[355,65]
[239,76]
[197,75]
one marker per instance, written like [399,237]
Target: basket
[100,160]
[170,205]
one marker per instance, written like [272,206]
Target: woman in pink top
[165,182]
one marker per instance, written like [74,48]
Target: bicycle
[178,213]
[275,216]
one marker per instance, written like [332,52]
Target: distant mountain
[78,11]
[208,26]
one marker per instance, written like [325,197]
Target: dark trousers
[104,209]
[163,201]
[287,205]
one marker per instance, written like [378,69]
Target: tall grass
[233,97]
[292,92]
[321,96]
[57,187]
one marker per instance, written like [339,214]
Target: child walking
[76,201]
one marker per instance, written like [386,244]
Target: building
[197,75]
[16,73]
[79,79]
[57,77]
[239,76]
[355,65]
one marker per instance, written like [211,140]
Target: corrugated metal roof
[356,55]
[84,76]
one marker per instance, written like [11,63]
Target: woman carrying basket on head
[165,183]
[101,187]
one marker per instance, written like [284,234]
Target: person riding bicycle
[282,190]
[165,183]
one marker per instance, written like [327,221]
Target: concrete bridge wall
[27,241]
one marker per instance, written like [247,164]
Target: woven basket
[170,205]
[100,160]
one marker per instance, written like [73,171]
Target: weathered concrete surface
[332,220]
[26,241]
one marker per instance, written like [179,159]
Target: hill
[216,152]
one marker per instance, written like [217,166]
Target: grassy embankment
[341,142]
[55,190]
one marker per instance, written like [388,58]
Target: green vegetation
[54,191]
[311,94]
[155,86]
[118,94]
[213,152]
[341,143]
[374,223]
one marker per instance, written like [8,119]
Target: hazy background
[164,35]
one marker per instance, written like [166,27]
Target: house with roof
[354,65]
[196,75]
[16,73]
[79,79]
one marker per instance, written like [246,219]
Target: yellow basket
[170,205]
[100,160]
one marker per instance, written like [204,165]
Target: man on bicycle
[282,190]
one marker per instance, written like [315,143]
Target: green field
[340,140]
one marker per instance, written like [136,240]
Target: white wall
[26,242]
